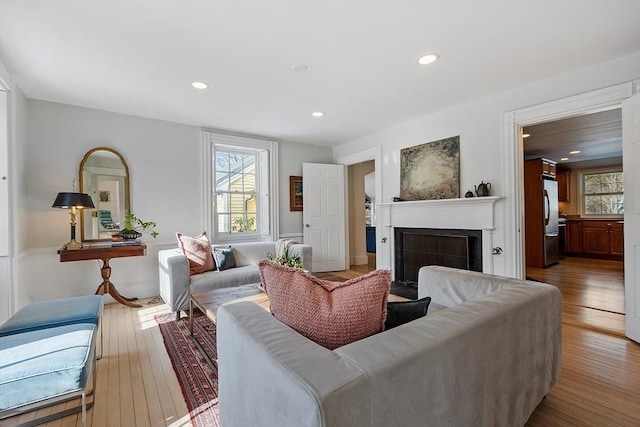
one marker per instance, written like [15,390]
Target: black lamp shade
[68,200]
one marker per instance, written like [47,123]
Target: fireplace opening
[417,247]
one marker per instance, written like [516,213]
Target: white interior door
[631,162]
[323,215]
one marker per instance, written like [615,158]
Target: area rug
[198,381]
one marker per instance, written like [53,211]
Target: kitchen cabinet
[548,168]
[617,239]
[562,176]
[573,237]
[594,238]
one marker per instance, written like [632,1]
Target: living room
[51,127]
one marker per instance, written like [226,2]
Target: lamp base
[73,245]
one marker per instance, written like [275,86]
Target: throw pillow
[224,258]
[198,252]
[400,312]
[330,313]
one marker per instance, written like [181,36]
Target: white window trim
[581,174]
[209,138]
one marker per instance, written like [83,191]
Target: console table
[105,253]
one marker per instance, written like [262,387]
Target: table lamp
[73,201]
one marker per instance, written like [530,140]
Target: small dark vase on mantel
[468,194]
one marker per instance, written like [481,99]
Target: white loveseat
[176,284]
[486,354]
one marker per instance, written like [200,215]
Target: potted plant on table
[134,227]
[287,259]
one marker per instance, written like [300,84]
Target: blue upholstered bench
[47,350]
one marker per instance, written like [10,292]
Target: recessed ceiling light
[317,114]
[199,85]
[526,135]
[428,59]
[574,152]
[300,68]
[564,159]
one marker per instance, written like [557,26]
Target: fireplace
[417,247]
[475,214]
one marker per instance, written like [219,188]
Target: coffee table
[209,301]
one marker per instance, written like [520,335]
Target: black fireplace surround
[417,247]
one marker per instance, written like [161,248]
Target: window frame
[266,186]
[581,175]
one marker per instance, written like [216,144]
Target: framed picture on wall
[295,193]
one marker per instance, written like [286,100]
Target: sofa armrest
[174,278]
[271,375]
[305,252]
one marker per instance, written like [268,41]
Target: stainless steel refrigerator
[551,235]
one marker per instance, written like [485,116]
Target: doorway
[583,159]
[512,124]
[373,155]
[361,208]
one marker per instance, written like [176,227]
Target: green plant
[133,224]
[287,259]
[244,225]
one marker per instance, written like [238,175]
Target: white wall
[479,127]
[165,179]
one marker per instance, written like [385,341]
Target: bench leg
[83,408]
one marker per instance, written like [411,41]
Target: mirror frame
[127,196]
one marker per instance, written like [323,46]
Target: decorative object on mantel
[482,190]
[468,194]
[133,227]
[431,171]
[73,201]
[398,199]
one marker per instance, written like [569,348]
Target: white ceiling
[140,57]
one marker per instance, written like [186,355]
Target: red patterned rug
[199,382]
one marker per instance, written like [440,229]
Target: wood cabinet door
[573,236]
[563,185]
[595,240]
[617,240]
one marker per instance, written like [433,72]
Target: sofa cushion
[224,279]
[198,252]
[224,258]
[400,312]
[330,313]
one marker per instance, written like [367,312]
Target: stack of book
[127,243]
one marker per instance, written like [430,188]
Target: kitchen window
[603,193]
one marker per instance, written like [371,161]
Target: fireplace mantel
[474,213]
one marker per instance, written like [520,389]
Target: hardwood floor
[600,383]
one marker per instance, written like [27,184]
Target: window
[235,191]
[240,188]
[603,193]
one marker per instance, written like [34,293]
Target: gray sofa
[485,355]
[176,284]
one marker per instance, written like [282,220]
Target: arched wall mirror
[104,175]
